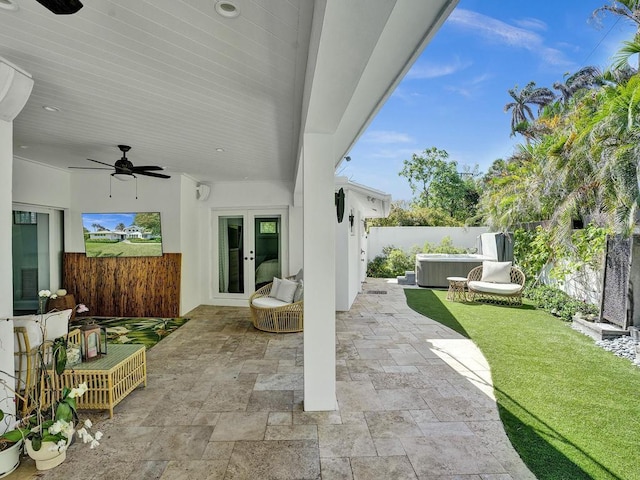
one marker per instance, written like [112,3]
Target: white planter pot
[47,457]
[10,459]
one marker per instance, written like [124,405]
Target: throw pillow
[299,291]
[286,290]
[496,272]
[274,287]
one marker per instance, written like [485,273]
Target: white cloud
[465,92]
[386,136]
[501,32]
[426,70]
[531,23]
[404,95]
[470,87]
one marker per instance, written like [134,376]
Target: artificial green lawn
[571,409]
[123,249]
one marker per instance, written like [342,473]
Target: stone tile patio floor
[224,401]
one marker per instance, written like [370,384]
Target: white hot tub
[432,269]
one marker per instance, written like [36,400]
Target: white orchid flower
[79,391]
[56,427]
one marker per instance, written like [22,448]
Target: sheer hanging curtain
[223,255]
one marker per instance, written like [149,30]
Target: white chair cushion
[34,331]
[268,302]
[498,272]
[56,324]
[286,290]
[498,288]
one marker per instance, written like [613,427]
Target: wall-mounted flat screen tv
[122,234]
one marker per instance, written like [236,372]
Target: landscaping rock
[624,347]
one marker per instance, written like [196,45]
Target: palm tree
[620,74]
[586,77]
[521,112]
[630,10]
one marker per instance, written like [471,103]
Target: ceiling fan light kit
[123,177]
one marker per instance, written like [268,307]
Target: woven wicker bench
[275,316]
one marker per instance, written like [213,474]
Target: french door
[250,249]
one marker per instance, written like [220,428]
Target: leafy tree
[98,228]
[120,227]
[420,172]
[149,221]
[437,184]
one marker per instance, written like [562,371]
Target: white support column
[319,273]
[6,275]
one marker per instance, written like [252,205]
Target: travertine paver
[225,401]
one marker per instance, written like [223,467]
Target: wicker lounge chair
[272,315]
[494,292]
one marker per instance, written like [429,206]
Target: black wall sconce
[351,219]
[340,204]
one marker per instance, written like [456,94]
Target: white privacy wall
[408,237]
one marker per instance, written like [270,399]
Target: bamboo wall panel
[125,287]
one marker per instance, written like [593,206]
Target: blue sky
[453,97]
[107,220]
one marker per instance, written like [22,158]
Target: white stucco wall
[190,245]
[39,184]
[408,237]
[349,242]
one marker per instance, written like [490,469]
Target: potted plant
[48,427]
[48,432]
[10,449]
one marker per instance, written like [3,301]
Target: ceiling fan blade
[98,161]
[61,7]
[91,168]
[147,167]
[151,174]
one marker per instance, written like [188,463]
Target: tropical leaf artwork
[145,331]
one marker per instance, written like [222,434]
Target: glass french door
[250,250]
[37,245]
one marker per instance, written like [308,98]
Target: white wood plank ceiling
[171,78]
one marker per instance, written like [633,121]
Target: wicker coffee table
[109,378]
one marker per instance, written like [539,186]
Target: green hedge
[557,302]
